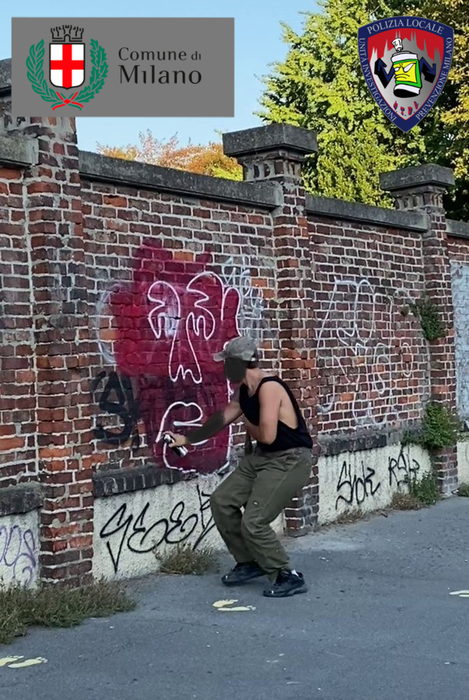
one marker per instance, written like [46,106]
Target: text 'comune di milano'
[149,72]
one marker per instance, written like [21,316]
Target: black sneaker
[287,584]
[242,573]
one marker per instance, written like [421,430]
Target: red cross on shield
[67,65]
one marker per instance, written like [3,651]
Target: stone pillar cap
[417,176]
[268,138]
[5,74]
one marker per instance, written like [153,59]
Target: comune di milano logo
[149,73]
[67,67]
[405,61]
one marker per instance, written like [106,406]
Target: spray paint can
[181,451]
[406,71]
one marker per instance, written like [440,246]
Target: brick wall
[422,189]
[372,358]
[18,461]
[459,256]
[120,280]
[148,255]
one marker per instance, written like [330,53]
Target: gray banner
[123,67]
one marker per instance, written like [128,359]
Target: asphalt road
[378,623]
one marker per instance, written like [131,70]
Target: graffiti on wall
[104,324]
[140,534]
[251,306]
[114,395]
[402,469]
[358,354]
[18,555]
[356,484]
[167,325]
[460,293]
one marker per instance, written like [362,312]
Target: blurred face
[235,369]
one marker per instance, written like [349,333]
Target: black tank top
[286,437]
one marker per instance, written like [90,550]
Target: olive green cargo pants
[263,485]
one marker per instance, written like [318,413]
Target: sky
[258,43]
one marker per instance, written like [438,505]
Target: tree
[447,131]
[205,160]
[321,86]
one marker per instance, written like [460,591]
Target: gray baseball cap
[243,348]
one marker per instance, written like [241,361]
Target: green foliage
[21,608]
[446,128]
[184,560]
[410,437]
[421,492]
[440,428]
[320,86]
[425,490]
[463,490]
[427,313]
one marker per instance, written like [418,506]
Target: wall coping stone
[94,166]
[20,499]
[417,176]
[459,229]
[5,75]
[269,138]
[365,213]
[335,444]
[116,481]
[17,150]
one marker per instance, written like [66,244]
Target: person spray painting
[247,501]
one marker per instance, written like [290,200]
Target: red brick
[43,186]
[11,443]
[10,174]
[115,200]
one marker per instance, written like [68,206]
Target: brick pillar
[60,316]
[275,153]
[422,188]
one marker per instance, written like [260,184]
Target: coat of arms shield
[67,64]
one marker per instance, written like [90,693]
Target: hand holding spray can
[180,450]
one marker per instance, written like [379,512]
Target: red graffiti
[170,321]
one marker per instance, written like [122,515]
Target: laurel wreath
[35,62]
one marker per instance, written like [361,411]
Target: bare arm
[270,397]
[212,425]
